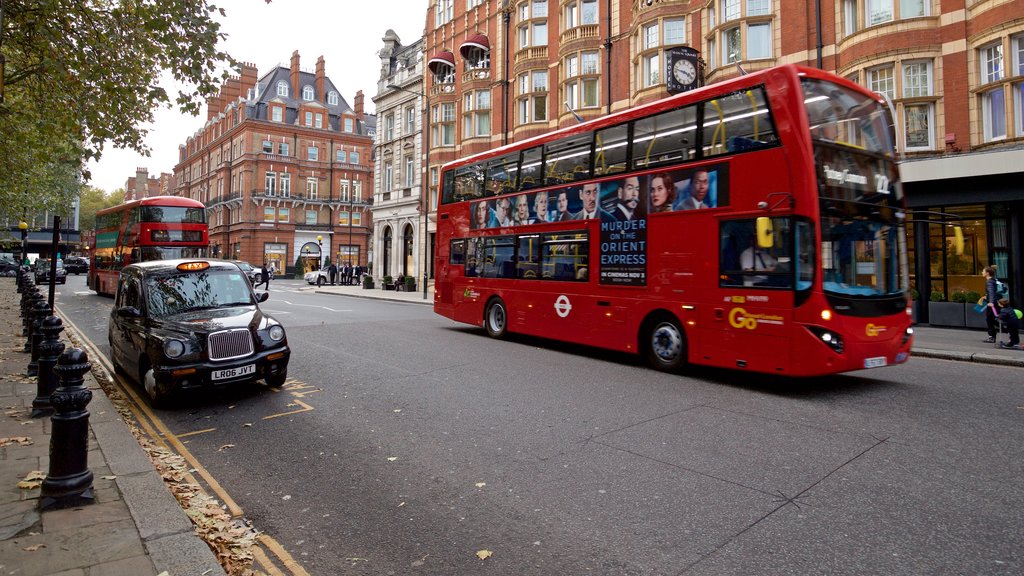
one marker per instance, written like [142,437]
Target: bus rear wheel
[666,345]
[496,318]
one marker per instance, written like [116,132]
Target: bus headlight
[174,348]
[831,339]
[276,333]
[907,335]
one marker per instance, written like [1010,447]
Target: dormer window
[282,88]
[307,93]
[332,98]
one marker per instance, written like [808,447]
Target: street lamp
[23,226]
[320,254]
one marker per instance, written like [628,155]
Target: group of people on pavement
[345,275]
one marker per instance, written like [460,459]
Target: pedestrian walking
[264,277]
[991,300]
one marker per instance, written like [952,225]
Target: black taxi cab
[195,323]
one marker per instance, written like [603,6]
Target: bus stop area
[133,527]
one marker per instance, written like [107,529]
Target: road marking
[197,432]
[305,408]
[314,306]
[282,554]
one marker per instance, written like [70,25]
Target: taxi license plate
[233,372]
[876,362]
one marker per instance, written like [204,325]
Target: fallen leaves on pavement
[19,440]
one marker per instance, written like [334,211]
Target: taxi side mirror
[129,312]
[765,232]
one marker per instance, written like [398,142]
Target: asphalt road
[406,444]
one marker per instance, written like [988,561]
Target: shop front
[983,194]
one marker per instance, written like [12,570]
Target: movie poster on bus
[623,249]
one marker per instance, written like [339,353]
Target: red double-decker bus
[755,224]
[156,228]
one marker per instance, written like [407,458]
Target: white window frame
[282,149]
[332,98]
[307,93]
[443,11]
[282,88]
[313,153]
[286,184]
[767,41]
[929,121]
[270,183]
[879,12]
[882,79]
[312,188]
[269,214]
[283,214]
[343,189]
[389,176]
[311,217]
[409,172]
[276,114]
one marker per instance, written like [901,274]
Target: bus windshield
[840,115]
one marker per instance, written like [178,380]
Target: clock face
[684,72]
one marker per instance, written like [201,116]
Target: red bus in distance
[156,228]
[756,224]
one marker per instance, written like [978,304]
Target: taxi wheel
[276,381]
[496,318]
[157,399]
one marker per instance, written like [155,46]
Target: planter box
[367,285]
[974,319]
[946,314]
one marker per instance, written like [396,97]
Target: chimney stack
[359,105]
[296,89]
[320,80]
[249,77]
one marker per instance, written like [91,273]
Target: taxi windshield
[187,291]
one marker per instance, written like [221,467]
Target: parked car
[253,274]
[76,265]
[318,277]
[8,267]
[179,325]
[43,271]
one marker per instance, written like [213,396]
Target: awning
[474,41]
[440,60]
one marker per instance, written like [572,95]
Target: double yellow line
[161,435]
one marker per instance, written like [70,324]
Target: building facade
[283,166]
[143,186]
[402,231]
[503,70]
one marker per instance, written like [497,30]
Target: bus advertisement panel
[756,224]
[156,228]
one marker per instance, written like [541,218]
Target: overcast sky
[347,33]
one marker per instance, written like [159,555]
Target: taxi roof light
[193,266]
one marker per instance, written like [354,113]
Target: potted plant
[944,313]
[387,283]
[410,284]
[367,282]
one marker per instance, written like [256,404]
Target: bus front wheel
[666,345]
[496,318]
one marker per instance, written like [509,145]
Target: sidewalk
[134,527]
[964,345]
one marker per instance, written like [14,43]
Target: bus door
[752,319]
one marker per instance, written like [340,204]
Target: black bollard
[69,482]
[26,305]
[49,350]
[35,336]
[30,303]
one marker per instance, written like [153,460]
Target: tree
[79,75]
[94,200]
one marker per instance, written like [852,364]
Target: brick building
[503,70]
[283,166]
[143,186]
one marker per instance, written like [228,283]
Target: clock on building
[683,71]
